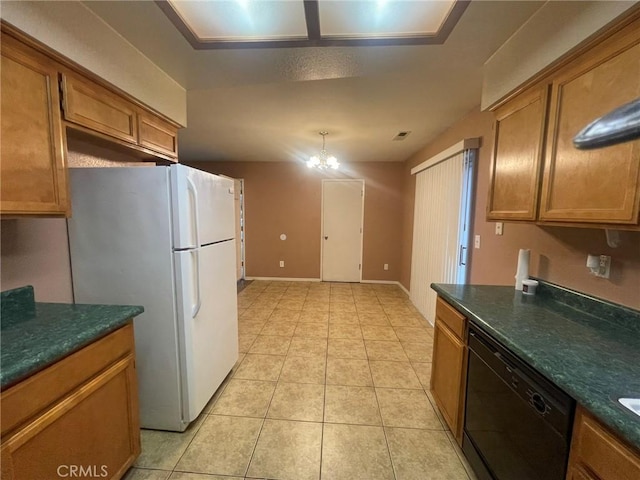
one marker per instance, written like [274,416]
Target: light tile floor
[332,383]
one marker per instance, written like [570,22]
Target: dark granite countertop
[588,347]
[36,335]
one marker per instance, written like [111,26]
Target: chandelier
[324,160]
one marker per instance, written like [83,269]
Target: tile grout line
[455,447]
[264,419]
[384,432]
[324,406]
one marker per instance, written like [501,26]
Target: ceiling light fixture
[324,160]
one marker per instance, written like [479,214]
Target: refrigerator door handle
[196,307]
[194,213]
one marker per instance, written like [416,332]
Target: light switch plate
[281,263]
[476,242]
[499,227]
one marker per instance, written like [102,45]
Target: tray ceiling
[268,104]
[312,23]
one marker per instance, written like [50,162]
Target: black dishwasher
[517,424]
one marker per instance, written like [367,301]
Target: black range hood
[619,126]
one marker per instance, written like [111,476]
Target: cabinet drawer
[451,318]
[92,106]
[598,451]
[29,397]
[157,135]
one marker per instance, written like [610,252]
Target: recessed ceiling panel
[243,20]
[382,18]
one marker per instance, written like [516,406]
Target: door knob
[326,237]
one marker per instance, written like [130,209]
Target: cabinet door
[79,412]
[96,425]
[593,186]
[157,135]
[94,107]
[448,376]
[32,163]
[517,157]
[596,450]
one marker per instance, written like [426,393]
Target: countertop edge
[55,352]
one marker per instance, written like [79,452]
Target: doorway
[239,209]
[342,222]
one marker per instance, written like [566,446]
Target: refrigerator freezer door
[203,206]
[120,245]
[208,341]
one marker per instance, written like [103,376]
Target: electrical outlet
[386,266]
[281,263]
[476,242]
[605,266]
[599,265]
[499,226]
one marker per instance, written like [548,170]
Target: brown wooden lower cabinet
[76,418]
[597,454]
[449,368]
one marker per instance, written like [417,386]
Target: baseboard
[291,279]
[284,279]
[387,282]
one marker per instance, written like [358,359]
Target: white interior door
[342,215]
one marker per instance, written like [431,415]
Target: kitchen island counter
[586,346]
[35,335]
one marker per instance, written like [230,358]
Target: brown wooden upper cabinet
[157,134]
[34,116]
[32,149]
[536,172]
[593,186]
[516,163]
[95,109]
[89,105]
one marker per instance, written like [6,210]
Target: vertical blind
[440,228]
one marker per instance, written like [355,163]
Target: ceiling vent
[401,136]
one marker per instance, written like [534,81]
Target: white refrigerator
[163,238]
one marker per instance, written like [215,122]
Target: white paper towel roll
[522,273]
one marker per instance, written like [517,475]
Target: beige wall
[282,197]
[554,30]
[35,251]
[285,197]
[558,254]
